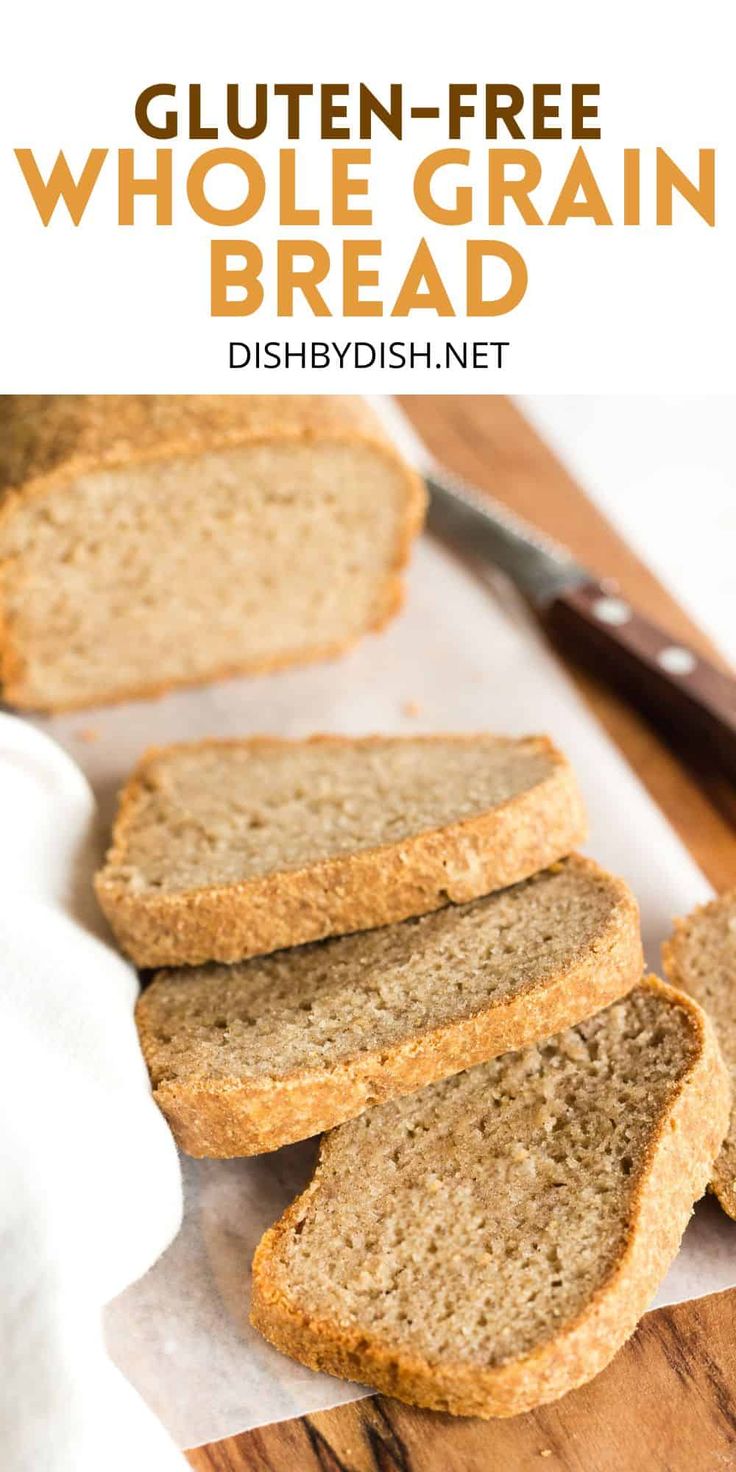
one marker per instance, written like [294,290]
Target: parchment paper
[463,655]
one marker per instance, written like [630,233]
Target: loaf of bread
[700,957]
[487,1244]
[228,849]
[250,1057]
[148,542]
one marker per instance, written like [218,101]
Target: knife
[670,682]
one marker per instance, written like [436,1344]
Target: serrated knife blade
[481,527]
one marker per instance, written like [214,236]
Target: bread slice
[700,957]
[486,1245]
[224,850]
[154,541]
[249,1057]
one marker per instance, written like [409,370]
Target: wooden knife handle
[673,684]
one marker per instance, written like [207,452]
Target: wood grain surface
[667,1403]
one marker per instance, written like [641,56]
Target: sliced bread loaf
[224,850]
[487,1244]
[249,1057]
[149,541]
[700,957]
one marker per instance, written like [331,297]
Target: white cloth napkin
[91,1191]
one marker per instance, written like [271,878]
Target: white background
[114,309]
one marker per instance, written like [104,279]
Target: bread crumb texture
[155,541]
[251,1056]
[701,958]
[223,850]
[486,1244]
[218,813]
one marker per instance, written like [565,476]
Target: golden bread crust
[223,1118]
[356,891]
[722,1183]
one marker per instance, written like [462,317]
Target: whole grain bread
[249,1057]
[487,1244]
[151,541]
[228,849]
[700,957]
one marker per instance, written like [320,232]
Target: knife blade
[677,687]
[479,526]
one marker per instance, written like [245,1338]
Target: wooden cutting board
[667,1403]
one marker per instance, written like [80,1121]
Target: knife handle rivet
[612,611]
[676,661]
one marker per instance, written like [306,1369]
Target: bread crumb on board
[88,734]
[411,708]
